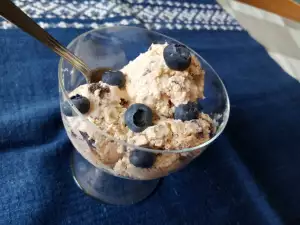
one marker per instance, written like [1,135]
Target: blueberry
[80,102]
[177,57]
[138,117]
[186,112]
[142,159]
[114,78]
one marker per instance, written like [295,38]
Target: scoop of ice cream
[150,81]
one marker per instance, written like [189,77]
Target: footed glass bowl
[114,47]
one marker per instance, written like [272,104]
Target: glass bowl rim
[66,96]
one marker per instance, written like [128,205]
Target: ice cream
[150,81]
[149,103]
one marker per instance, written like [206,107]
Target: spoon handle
[16,16]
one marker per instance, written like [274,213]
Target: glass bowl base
[106,187]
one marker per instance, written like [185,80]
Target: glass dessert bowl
[145,119]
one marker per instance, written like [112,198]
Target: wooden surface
[286,8]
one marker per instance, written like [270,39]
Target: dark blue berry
[142,159]
[80,102]
[138,117]
[177,57]
[114,78]
[186,112]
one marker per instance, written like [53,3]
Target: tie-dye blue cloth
[250,176]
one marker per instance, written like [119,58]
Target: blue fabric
[250,175]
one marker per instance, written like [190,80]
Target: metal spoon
[16,16]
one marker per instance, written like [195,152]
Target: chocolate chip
[146,72]
[124,103]
[182,158]
[89,141]
[176,82]
[73,134]
[103,91]
[93,87]
[84,135]
[155,116]
[97,86]
[200,135]
[170,104]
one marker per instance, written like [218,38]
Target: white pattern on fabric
[153,14]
